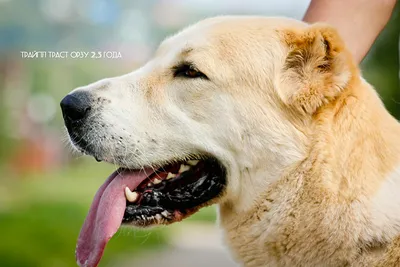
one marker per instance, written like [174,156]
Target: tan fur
[312,155]
[317,213]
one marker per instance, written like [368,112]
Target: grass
[41,215]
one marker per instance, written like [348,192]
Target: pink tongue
[105,215]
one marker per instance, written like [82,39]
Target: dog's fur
[312,155]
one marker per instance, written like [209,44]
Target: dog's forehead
[189,40]
[226,33]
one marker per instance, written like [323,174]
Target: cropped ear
[316,69]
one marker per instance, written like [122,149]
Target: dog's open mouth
[148,197]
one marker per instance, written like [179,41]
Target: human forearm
[358,21]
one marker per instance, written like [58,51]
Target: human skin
[359,22]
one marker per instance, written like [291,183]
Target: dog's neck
[366,160]
[353,152]
[355,143]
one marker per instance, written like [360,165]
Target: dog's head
[218,114]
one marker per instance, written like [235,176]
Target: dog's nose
[75,107]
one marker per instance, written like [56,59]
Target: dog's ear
[316,69]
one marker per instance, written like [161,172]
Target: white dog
[269,118]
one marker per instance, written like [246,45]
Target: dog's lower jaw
[246,184]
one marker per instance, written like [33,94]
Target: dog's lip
[175,198]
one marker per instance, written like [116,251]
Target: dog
[270,119]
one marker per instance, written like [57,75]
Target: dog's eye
[188,71]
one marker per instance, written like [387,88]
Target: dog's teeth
[158,217]
[170,176]
[156,181]
[165,213]
[149,184]
[192,162]
[184,168]
[131,196]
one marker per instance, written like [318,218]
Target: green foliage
[381,67]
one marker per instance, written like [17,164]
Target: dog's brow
[186,51]
[183,63]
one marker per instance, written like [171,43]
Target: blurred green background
[46,190]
